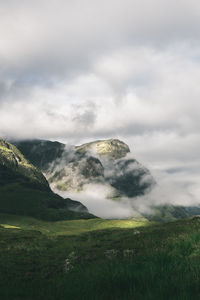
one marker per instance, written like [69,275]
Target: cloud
[52,38]
[95,199]
[157,91]
[171,189]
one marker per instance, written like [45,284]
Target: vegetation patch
[138,262]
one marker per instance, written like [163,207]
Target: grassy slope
[21,200]
[73,227]
[25,191]
[163,261]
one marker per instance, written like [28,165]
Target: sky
[76,71]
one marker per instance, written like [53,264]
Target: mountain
[102,162]
[99,162]
[25,191]
[168,213]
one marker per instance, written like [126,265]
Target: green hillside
[15,168]
[115,260]
[25,191]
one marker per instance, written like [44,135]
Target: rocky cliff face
[129,177]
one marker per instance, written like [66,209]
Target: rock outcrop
[111,148]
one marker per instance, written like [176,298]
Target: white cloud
[95,199]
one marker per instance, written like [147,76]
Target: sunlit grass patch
[10,226]
[69,227]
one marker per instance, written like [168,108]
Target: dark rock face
[130,178]
[92,168]
[41,153]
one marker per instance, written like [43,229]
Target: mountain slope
[15,168]
[24,190]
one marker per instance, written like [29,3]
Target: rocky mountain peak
[112,148]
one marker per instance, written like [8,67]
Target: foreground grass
[152,262]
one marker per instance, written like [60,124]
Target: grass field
[72,227]
[99,259]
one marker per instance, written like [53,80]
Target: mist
[169,190]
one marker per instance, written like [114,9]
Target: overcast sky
[80,70]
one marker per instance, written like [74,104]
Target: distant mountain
[24,190]
[168,213]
